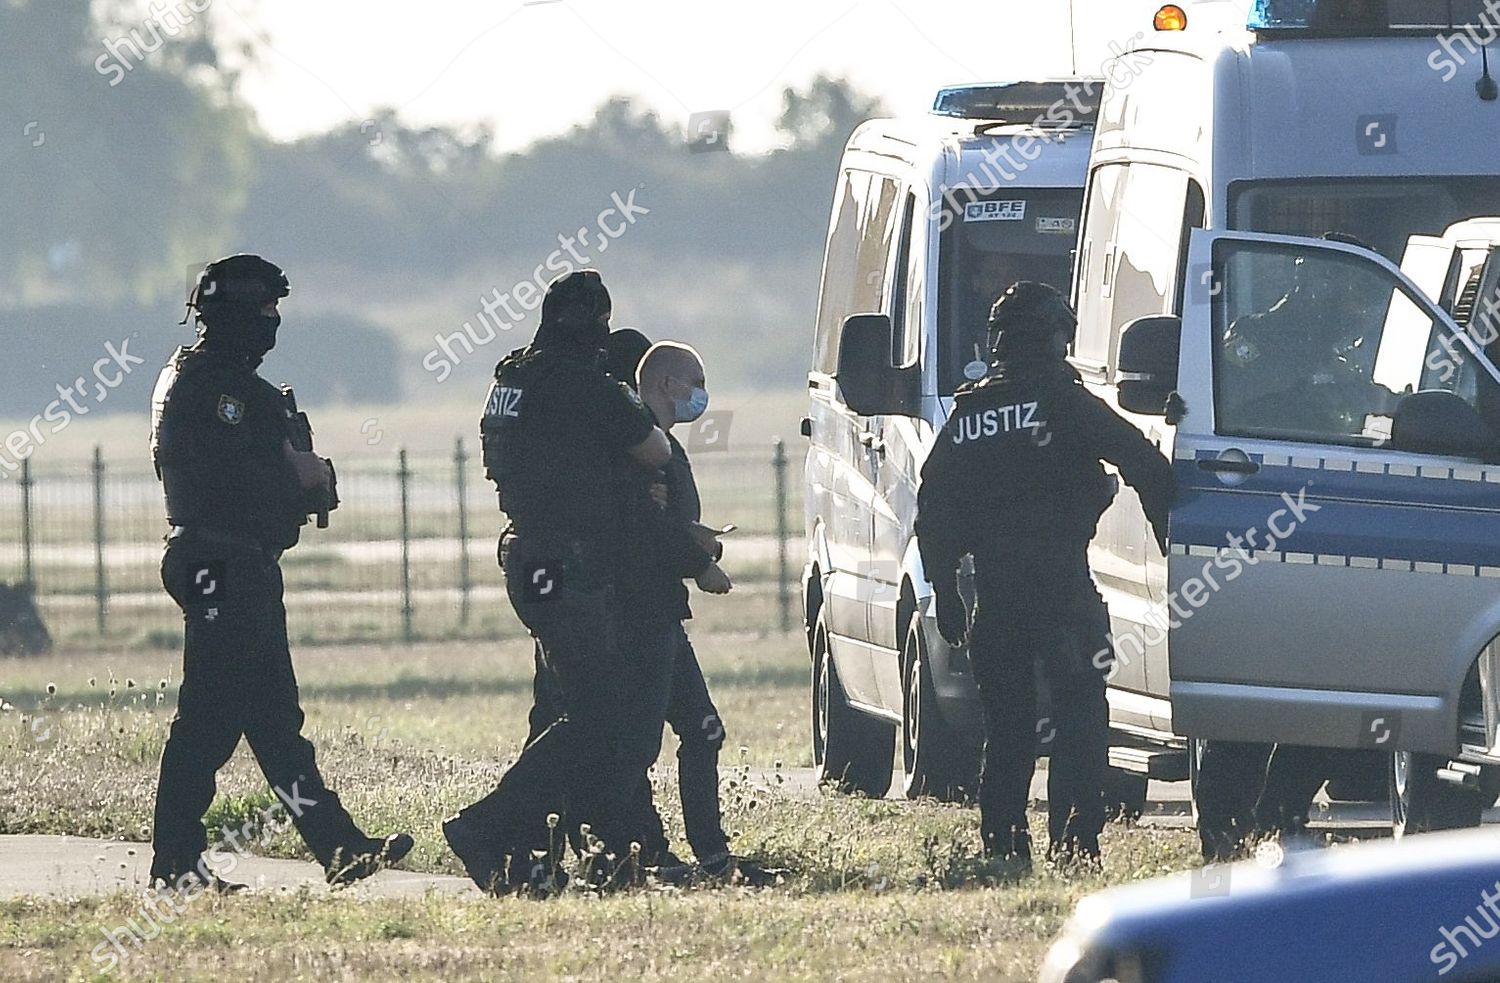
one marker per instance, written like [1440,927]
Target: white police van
[1334,571]
[931,220]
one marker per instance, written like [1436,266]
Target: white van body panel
[1220,113]
[862,474]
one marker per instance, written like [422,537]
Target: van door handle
[1219,465]
[872,441]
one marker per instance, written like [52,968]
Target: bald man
[672,385]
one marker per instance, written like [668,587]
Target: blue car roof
[1390,912]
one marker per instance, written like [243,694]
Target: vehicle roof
[960,157]
[1289,107]
[1383,905]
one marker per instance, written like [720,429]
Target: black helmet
[576,309]
[1031,319]
[228,299]
[623,351]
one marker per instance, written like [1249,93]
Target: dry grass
[881,889]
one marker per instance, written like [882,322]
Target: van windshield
[1368,16]
[1322,347]
[991,242]
[1382,214]
[1380,337]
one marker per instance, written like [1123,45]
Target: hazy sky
[536,68]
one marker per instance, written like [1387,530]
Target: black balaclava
[1031,322]
[623,351]
[575,312]
[228,299]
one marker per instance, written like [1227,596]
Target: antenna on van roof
[1073,34]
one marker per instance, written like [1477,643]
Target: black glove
[952,617]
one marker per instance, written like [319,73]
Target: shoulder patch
[231,410]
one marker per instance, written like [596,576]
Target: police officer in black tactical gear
[1015,481]
[237,494]
[662,514]
[554,429]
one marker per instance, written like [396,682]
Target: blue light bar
[1368,18]
[1023,102]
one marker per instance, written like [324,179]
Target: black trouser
[1294,775]
[694,719]
[1251,789]
[1043,613]
[237,679]
[700,736]
[585,762]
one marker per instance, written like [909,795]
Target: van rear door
[1335,557]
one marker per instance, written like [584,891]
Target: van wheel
[1422,802]
[935,761]
[853,751]
[1124,795]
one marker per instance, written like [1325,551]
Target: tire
[1421,802]
[854,752]
[935,761]
[1124,795]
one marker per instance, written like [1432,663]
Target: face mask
[247,331]
[688,410]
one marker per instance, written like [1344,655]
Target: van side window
[1148,244]
[877,236]
[859,252]
[1194,217]
[1318,346]
[839,264]
[1097,242]
[907,302]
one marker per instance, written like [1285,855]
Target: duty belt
[220,538]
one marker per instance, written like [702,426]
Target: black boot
[360,860]
[1011,847]
[192,879]
[1075,852]
[482,860]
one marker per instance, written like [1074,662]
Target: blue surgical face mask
[688,410]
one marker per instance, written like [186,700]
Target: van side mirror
[1147,371]
[869,383]
[1438,422]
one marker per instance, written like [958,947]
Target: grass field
[880,890]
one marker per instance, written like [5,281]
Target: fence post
[783,579]
[465,585]
[403,475]
[28,574]
[101,587]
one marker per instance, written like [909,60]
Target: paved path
[74,866]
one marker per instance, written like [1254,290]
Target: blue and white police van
[1333,578]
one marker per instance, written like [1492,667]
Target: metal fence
[409,555]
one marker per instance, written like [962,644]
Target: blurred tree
[125,156]
[830,109]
